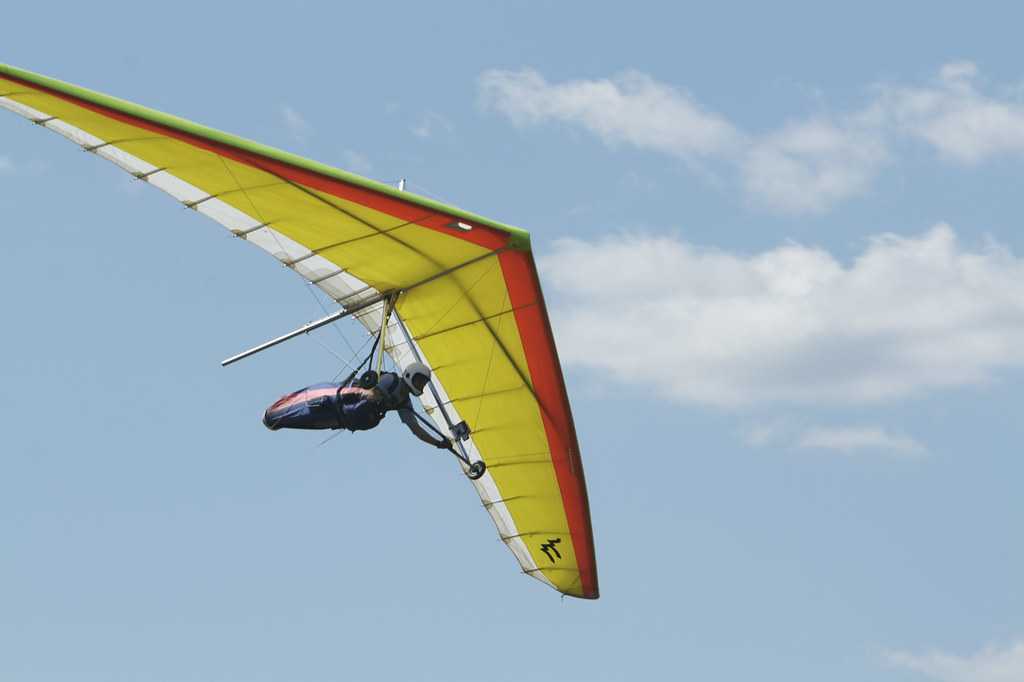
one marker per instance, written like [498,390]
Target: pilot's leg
[310,408]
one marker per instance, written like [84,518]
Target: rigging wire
[420,189]
[310,287]
[355,355]
[331,351]
[313,289]
[331,437]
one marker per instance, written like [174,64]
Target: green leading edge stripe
[518,237]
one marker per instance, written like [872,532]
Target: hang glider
[463,291]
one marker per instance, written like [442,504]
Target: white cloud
[991,664]
[296,124]
[6,164]
[962,123]
[631,108]
[791,324]
[851,439]
[808,165]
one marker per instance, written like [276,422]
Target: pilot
[338,406]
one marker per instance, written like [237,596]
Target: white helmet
[416,376]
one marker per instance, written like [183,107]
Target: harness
[338,412]
[345,421]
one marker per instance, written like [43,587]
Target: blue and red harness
[324,406]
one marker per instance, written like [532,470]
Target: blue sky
[783,257]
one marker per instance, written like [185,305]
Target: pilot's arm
[409,419]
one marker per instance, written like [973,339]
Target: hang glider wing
[471,299]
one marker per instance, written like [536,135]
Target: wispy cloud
[300,130]
[854,439]
[768,433]
[356,162]
[810,166]
[432,124]
[791,324]
[847,440]
[807,165]
[960,122]
[992,664]
[30,167]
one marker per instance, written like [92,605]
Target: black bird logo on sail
[549,547]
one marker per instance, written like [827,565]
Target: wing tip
[590,595]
